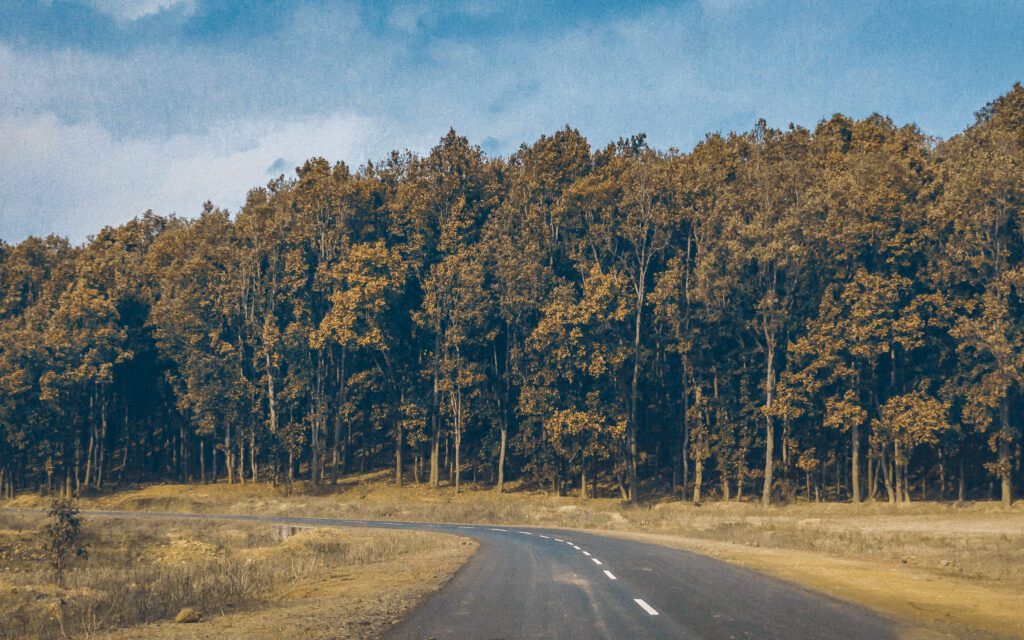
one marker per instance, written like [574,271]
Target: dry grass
[144,571]
[910,562]
[978,541]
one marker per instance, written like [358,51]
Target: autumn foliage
[833,313]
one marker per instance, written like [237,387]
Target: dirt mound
[185,551]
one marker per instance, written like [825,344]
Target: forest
[833,314]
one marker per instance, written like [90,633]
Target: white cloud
[723,7]
[90,140]
[407,18]
[73,179]
[480,7]
[93,136]
[130,10]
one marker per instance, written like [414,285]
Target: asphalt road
[549,583]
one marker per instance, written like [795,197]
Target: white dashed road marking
[544,536]
[526,533]
[596,561]
[559,540]
[646,607]
[586,553]
[611,576]
[575,547]
[493,529]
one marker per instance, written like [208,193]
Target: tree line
[826,314]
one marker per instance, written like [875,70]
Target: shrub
[62,536]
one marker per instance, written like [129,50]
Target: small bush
[62,536]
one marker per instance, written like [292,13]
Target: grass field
[247,580]
[954,569]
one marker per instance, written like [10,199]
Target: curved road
[551,583]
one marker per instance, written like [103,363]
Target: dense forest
[826,314]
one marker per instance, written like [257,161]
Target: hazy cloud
[129,10]
[189,100]
[73,179]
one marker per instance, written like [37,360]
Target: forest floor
[936,567]
[248,581]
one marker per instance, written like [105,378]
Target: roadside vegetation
[141,572]
[946,566]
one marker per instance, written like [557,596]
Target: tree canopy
[835,313]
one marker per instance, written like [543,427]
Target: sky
[112,107]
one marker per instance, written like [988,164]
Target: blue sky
[112,107]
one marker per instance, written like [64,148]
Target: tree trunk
[435,453]
[213,457]
[1006,474]
[435,422]
[337,419]
[398,455]
[67,481]
[871,477]
[101,463]
[583,478]
[88,457]
[92,440]
[1005,463]
[897,471]
[449,463]
[253,464]
[346,456]
[634,402]
[887,476]
[457,471]
[78,466]
[623,493]
[202,461]
[769,432]
[182,451]
[228,459]
[101,442]
[336,451]
[906,481]
[315,421]
[961,491]
[686,429]
[241,459]
[314,453]
[942,475]
[855,462]
[506,406]
[501,456]
[698,480]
